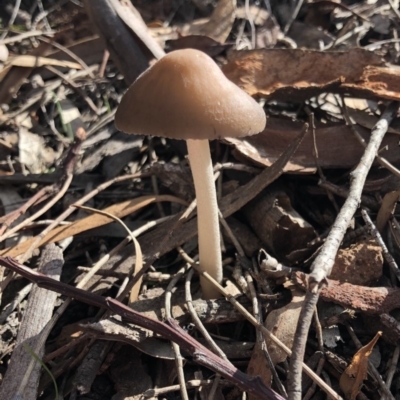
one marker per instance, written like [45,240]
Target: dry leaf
[337,146]
[387,209]
[219,26]
[282,323]
[354,375]
[298,74]
[35,62]
[93,221]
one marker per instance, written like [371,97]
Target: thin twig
[385,163]
[377,236]
[175,347]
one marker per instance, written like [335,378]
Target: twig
[196,320]
[177,351]
[377,236]
[37,198]
[293,16]
[25,35]
[322,265]
[385,163]
[77,89]
[251,22]
[393,367]
[193,384]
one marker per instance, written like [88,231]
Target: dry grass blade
[138,251]
[36,62]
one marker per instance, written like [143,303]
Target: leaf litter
[61,70]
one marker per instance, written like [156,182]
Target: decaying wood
[23,373]
[369,300]
[88,369]
[301,73]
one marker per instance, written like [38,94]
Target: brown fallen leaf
[298,74]
[282,323]
[219,26]
[352,378]
[93,221]
[387,209]
[337,146]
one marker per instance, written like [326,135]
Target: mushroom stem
[207,214]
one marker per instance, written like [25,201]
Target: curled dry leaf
[278,224]
[352,378]
[387,209]
[297,74]
[219,26]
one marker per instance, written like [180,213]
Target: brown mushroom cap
[185,95]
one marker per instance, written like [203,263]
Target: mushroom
[186,96]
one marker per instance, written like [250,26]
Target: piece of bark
[115,330]
[37,314]
[298,74]
[369,300]
[360,264]
[88,369]
[277,224]
[210,311]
